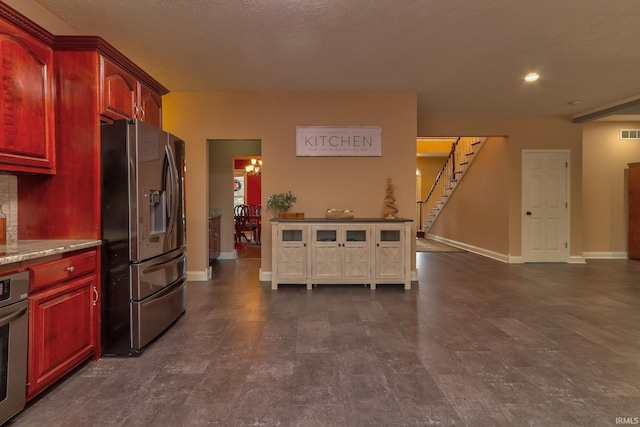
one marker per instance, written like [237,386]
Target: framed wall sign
[339,141]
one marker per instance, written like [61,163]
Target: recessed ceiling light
[531,77]
[574,102]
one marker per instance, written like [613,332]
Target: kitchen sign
[338,141]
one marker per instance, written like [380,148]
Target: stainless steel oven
[14,332]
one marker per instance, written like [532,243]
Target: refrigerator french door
[143,231]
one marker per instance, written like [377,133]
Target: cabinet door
[292,254]
[118,91]
[150,106]
[357,252]
[61,331]
[326,252]
[26,103]
[390,254]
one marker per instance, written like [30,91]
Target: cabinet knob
[95,293]
[71,269]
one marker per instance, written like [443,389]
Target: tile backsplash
[9,196]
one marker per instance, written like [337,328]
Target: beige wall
[604,168]
[522,132]
[430,168]
[478,211]
[356,183]
[605,156]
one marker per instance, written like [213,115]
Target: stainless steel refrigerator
[144,285]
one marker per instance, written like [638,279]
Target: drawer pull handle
[71,269]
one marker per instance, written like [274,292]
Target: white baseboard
[470,248]
[265,276]
[513,259]
[199,276]
[606,255]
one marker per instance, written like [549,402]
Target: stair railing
[462,152]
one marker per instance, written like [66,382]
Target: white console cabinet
[369,251]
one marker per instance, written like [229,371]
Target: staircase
[463,151]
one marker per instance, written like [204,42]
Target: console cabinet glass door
[356,252]
[341,252]
[390,252]
[326,252]
[292,253]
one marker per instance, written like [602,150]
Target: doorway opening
[222,176]
[247,205]
[465,192]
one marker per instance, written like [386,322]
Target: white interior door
[545,208]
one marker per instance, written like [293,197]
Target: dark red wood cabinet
[123,96]
[55,91]
[27,126]
[95,83]
[64,317]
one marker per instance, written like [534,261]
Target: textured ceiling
[459,56]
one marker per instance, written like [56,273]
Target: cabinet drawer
[49,273]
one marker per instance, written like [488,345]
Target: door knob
[528,213]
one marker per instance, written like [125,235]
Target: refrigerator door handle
[163,264]
[165,293]
[173,190]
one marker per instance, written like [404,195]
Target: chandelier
[255,167]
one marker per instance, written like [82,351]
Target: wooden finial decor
[390,209]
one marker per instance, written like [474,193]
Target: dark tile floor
[475,343]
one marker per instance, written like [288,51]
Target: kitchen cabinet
[370,251]
[214,237]
[289,254]
[63,317]
[341,253]
[27,125]
[48,208]
[122,96]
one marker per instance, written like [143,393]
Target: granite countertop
[30,249]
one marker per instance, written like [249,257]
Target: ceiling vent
[629,133]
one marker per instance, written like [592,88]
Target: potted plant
[281,203]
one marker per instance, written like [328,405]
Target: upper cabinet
[27,132]
[122,96]
[94,83]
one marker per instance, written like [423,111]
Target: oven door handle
[11,317]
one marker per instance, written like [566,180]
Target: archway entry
[247,206]
[221,183]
